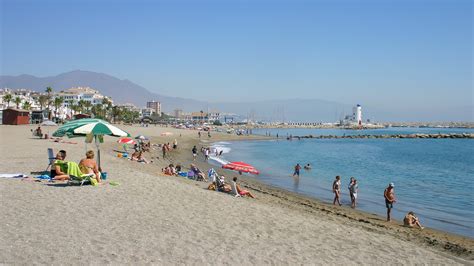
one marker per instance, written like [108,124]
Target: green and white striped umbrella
[82,127]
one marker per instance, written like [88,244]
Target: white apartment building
[147,112]
[74,95]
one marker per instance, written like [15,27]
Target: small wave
[220,148]
[218,159]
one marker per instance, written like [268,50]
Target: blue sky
[413,54]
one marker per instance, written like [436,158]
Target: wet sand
[152,218]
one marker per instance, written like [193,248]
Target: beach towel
[13,175]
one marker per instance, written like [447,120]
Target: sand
[154,219]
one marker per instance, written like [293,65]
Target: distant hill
[125,91]
[121,91]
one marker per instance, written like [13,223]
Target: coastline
[455,244]
[166,206]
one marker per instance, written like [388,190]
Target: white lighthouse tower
[357,114]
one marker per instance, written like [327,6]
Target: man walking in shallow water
[389,200]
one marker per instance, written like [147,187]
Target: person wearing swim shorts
[389,196]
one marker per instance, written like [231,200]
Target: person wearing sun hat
[389,199]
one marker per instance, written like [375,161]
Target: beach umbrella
[126,141]
[141,137]
[48,123]
[95,127]
[241,167]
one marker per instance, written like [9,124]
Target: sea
[432,177]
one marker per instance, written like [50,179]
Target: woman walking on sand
[336,188]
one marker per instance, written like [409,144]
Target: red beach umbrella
[241,167]
[126,141]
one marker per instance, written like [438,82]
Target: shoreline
[455,244]
[154,218]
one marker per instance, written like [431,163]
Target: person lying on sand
[89,166]
[242,192]
[411,220]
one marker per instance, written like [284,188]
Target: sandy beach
[150,218]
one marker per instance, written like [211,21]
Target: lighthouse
[357,114]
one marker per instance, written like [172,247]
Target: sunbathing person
[411,220]
[138,156]
[221,185]
[59,171]
[198,173]
[89,166]
[240,191]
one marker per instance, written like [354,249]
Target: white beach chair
[51,158]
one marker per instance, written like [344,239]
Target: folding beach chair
[51,158]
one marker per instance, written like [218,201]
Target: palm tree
[7,98]
[74,108]
[42,100]
[107,106]
[27,105]
[17,101]
[88,105]
[49,90]
[81,103]
[116,113]
[58,101]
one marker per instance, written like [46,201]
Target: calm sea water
[433,177]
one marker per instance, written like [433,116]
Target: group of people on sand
[141,147]
[87,166]
[409,220]
[218,183]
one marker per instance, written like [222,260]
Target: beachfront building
[214,116]
[86,94]
[178,114]
[25,95]
[199,117]
[155,105]
[129,107]
[147,112]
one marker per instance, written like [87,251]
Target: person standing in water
[353,189]
[297,170]
[389,196]
[336,188]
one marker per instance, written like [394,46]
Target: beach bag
[212,186]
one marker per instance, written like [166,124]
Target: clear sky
[383,53]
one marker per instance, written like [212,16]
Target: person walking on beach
[336,188]
[199,133]
[389,200]
[353,188]
[206,154]
[195,150]
[297,170]
[164,148]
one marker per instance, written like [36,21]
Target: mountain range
[300,110]
[125,91]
